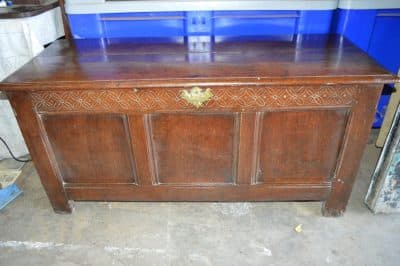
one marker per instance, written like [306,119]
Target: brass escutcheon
[197,96]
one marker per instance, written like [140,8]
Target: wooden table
[227,120]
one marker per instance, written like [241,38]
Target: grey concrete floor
[99,233]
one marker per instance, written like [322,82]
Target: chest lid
[115,63]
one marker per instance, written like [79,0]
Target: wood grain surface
[282,120]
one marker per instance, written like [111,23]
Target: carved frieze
[159,99]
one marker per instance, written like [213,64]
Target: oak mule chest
[225,120]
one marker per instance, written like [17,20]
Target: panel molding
[140,143]
[167,99]
[234,147]
[256,172]
[258,192]
[260,171]
[92,177]
[245,152]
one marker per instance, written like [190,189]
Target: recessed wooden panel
[194,148]
[91,148]
[300,146]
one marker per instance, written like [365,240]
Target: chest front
[196,140]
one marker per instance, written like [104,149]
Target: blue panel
[85,26]
[377,32]
[218,23]
[199,23]
[317,22]
[254,22]
[385,42]
[8,194]
[160,24]
[117,25]
[356,25]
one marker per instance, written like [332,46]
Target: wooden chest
[227,120]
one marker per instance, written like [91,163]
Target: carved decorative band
[160,99]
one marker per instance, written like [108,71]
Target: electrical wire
[12,155]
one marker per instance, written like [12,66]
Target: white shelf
[369,4]
[103,6]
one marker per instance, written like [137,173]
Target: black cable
[12,155]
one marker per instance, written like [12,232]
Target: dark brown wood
[29,2]
[37,142]
[262,192]
[194,149]
[28,8]
[300,144]
[75,138]
[144,63]
[112,120]
[353,147]
[67,28]
[247,148]
[142,149]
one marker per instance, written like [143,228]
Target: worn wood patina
[238,120]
